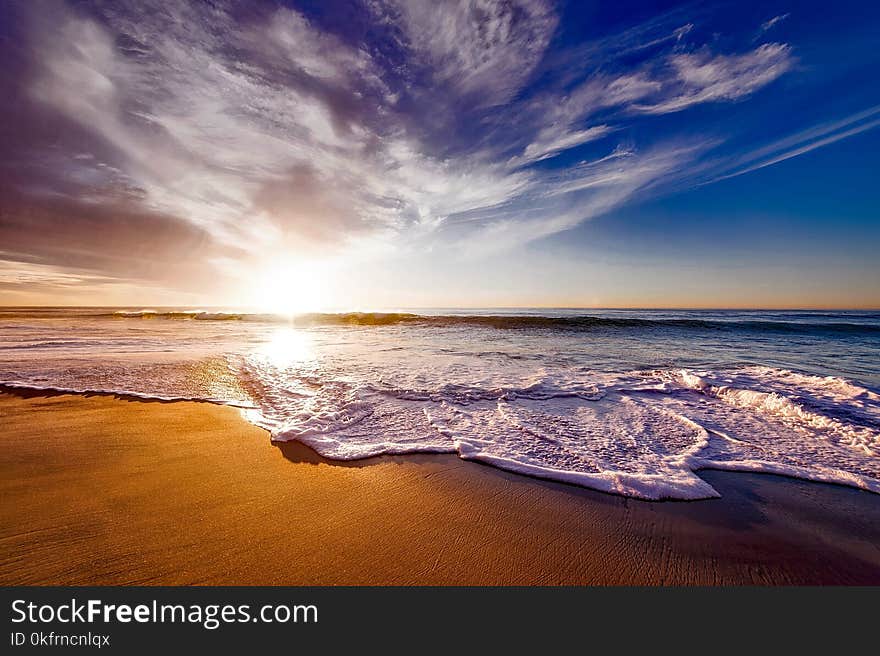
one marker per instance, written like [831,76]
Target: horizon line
[386,309]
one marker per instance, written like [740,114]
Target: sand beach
[104,490]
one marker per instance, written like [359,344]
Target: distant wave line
[584,322]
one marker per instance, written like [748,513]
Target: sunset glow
[295,156]
[425,293]
[289,289]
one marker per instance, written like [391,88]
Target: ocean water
[631,402]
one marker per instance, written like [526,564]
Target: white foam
[531,403]
[14,385]
[643,434]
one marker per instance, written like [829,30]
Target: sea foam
[642,434]
[628,403]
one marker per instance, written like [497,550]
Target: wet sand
[102,490]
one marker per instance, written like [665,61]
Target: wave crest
[799,323]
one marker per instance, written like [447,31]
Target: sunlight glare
[287,346]
[288,289]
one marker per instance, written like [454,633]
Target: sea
[629,402]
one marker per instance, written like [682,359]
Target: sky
[370,154]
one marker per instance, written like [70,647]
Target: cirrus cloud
[245,128]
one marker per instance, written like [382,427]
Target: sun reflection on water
[286,347]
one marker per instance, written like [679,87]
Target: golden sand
[108,491]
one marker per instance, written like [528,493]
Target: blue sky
[383,154]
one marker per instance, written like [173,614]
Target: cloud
[770,24]
[680,32]
[566,198]
[703,77]
[802,142]
[485,49]
[672,84]
[105,238]
[551,141]
[292,39]
[229,130]
[201,116]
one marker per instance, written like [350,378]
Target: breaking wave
[642,434]
[632,403]
[865,323]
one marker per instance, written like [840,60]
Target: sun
[290,288]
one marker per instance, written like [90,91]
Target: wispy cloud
[668,84]
[249,131]
[552,141]
[770,24]
[803,142]
[564,198]
[706,77]
[483,49]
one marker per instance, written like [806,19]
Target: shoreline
[28,391]
[102,490]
